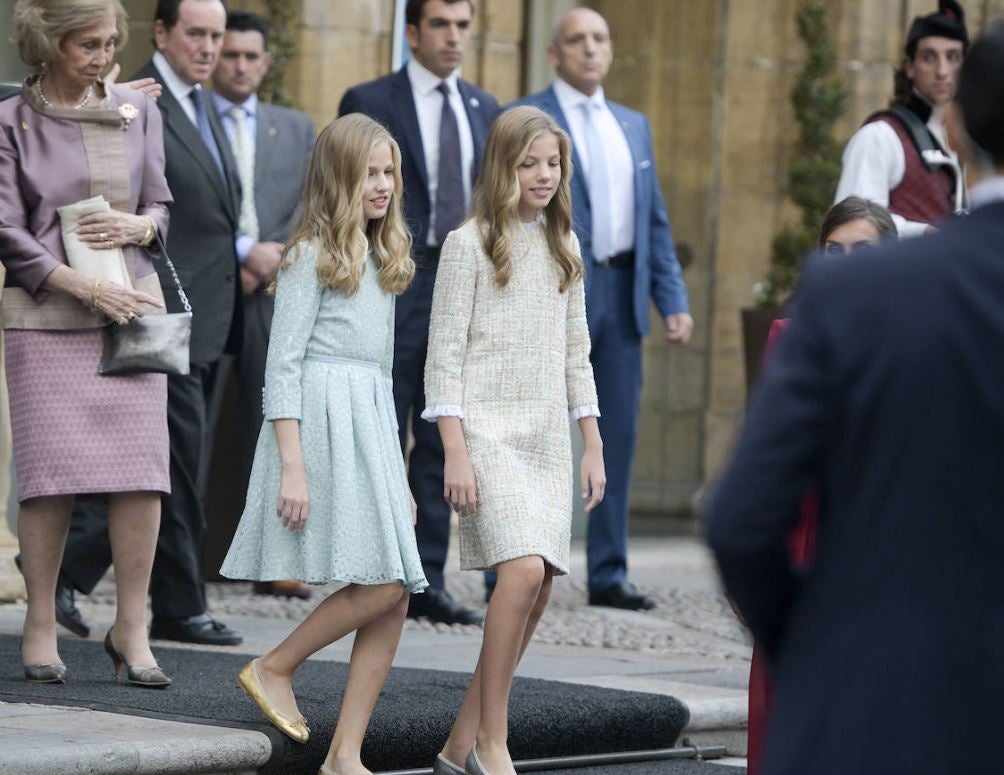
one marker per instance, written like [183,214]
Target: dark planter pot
[756,328]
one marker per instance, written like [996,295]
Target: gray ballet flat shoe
[443,766]
[473,766]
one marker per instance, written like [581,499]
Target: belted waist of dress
[339,359]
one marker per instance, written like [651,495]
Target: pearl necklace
[48,103]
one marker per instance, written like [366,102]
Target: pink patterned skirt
[76,432]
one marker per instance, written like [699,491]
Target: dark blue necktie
[205,130]
[450,190]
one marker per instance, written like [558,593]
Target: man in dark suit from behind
[271,146]
[202,176]
[885,392]
[442,137]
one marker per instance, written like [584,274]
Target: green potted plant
[818,98]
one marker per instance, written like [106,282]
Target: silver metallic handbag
[157,343]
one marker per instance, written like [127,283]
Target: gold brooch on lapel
[128,112]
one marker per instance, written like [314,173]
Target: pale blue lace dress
[329,366]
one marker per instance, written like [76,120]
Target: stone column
[11,583]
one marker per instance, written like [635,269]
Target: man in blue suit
[622,226]
[885,392]
[441,123]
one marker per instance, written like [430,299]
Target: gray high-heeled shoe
[473,766]
[45,674]
[443,766]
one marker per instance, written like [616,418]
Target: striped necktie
[205,130]
[244,154]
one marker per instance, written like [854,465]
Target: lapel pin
[473,101]
[24,125]
[272,131]
[128,112]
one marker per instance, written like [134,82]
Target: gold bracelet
[95,294]
[151,231]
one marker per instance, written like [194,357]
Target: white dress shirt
[178,88]
[874,164]
[429,106]
[620,162]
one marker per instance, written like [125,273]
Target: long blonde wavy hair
[332,212]
[495,202]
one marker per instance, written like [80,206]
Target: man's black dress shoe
[287,589]
[67,613]
[622,595]
[438,605]
[202,629]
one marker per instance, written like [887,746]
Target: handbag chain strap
[174,274]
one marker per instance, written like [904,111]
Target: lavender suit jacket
[54,157]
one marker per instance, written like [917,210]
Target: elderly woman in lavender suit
[65,138]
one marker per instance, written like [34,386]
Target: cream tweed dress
[511,362]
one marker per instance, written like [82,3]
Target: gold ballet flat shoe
[247,679]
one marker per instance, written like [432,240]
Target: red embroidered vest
[926,194]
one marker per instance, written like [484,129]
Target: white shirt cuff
[442,410]
[586,410]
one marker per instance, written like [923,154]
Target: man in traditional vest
[900,158]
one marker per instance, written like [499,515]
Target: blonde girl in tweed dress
[328,498]
[508,360]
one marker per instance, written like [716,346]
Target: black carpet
[409,726]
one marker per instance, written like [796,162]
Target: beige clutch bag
[108,265]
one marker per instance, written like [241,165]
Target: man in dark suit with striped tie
[441,123]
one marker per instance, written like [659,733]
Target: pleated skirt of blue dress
[359,527]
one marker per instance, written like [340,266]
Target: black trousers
[177,587]
[425,463]
[250,370]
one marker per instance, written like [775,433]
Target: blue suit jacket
[389,100]
[886,392]
[657,273]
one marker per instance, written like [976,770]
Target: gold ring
[103,235]
[122,321]
[110,244]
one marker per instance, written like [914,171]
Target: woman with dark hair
[855,222]
[850,224]
[67,137]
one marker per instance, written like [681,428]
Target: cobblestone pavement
[692,618]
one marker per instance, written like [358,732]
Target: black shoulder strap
[915,128]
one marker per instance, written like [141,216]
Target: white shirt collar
[987,191]
[425,81]
[569,97]
[179,89]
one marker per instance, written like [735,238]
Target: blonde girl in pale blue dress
[328,498]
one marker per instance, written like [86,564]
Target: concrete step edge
[238,750]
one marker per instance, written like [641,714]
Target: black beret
[949,21]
